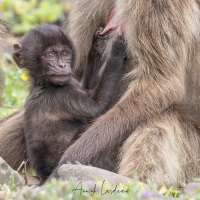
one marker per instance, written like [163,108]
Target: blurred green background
[20,16]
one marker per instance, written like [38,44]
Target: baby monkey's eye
[50,55]
[65,55]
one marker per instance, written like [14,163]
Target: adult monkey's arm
[12,143]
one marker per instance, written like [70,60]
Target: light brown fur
[12,142]
[94,21]
[2,34]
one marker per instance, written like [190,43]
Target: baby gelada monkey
[58,105]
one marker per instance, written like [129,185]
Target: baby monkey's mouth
[59,79]
[60,74]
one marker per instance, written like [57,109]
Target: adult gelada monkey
[58,106]
[147,126]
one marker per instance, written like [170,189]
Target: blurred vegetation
[55,190]
[16,86]
[22,15]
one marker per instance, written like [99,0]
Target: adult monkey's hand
[114,23]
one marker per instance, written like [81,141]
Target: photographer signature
[114,191]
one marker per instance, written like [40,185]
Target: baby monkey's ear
[16,55]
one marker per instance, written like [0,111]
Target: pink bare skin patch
[114,23]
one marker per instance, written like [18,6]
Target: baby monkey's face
[56,63]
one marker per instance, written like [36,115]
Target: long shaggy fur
[94,18]
[12,142]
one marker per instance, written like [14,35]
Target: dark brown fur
[152,125]
[56,110]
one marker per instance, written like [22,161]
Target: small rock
[191,189]
[88,173]
[6,172]
[91,177]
